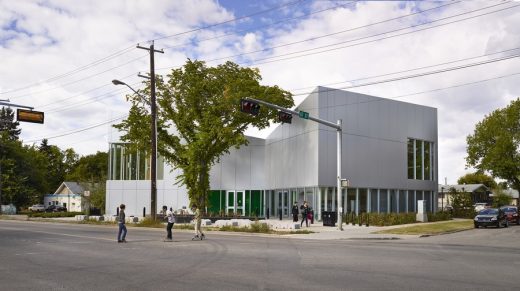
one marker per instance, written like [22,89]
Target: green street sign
[304,115]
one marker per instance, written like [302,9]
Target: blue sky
[60,56]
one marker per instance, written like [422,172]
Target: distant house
[480,193]
[69,195]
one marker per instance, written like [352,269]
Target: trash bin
[329,218]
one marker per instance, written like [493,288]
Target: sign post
[337,126]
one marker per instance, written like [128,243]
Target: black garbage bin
[329,218]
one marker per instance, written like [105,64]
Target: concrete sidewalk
[350,231]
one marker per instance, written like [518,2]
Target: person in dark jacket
[295,212]
[305,212]
[121,235]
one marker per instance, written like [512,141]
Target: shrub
[439,216]
[53,214]
[381,219]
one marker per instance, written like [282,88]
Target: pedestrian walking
[305,212]
[198,230]
[121,234]
[295,212]
[168,214]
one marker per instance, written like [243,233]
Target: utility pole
[153,158]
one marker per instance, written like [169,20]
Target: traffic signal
[249,107]
[284,117]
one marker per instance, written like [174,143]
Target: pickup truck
[37,207]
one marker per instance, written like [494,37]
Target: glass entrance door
[235,203]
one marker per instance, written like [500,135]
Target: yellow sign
[29,116]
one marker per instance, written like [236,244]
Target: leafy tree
[478,178]
[500,198]
[57,164]
[91,172]
[8,124]
[493,146]
[22,172]
[199,118]
[462,203]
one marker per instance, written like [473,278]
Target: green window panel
[214,201]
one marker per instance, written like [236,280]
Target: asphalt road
[51,256]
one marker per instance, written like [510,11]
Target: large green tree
[199,118]
[494,145]
[91,172]
[478,178]
[7,123]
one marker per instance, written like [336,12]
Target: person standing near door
[295,212]
[305,211]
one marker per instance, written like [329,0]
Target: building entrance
[235,202]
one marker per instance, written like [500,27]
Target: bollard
[360,219]
[144,211]
[368,218]
[353,217]
[267,213]
[280,213]
[117,211]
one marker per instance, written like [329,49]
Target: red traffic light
[284,117]
[249,107]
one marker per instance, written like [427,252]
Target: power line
[230,20]
[420,75]
[126,50]
[72,72]
[410,70]
[264,26]
[275,58]
[79,80]
[77,131]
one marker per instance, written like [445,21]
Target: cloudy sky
[456,56]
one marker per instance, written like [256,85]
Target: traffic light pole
[337,126]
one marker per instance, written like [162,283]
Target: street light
[153,158]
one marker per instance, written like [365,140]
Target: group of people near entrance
[306,211]
[168,215]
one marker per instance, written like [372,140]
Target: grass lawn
[432,228]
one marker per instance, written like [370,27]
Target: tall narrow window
[411,159]
[418,159]
[427,161]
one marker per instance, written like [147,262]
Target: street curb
[443,233]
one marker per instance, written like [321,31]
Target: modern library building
[389,156]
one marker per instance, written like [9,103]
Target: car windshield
[509,209]
[489,211]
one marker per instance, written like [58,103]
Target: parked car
[56,208]
[512,214]
[491,217]
[480,206]
[37,208]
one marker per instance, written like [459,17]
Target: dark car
[491,217]
[512,214]
[56,208]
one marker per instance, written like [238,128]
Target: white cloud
[40,41]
